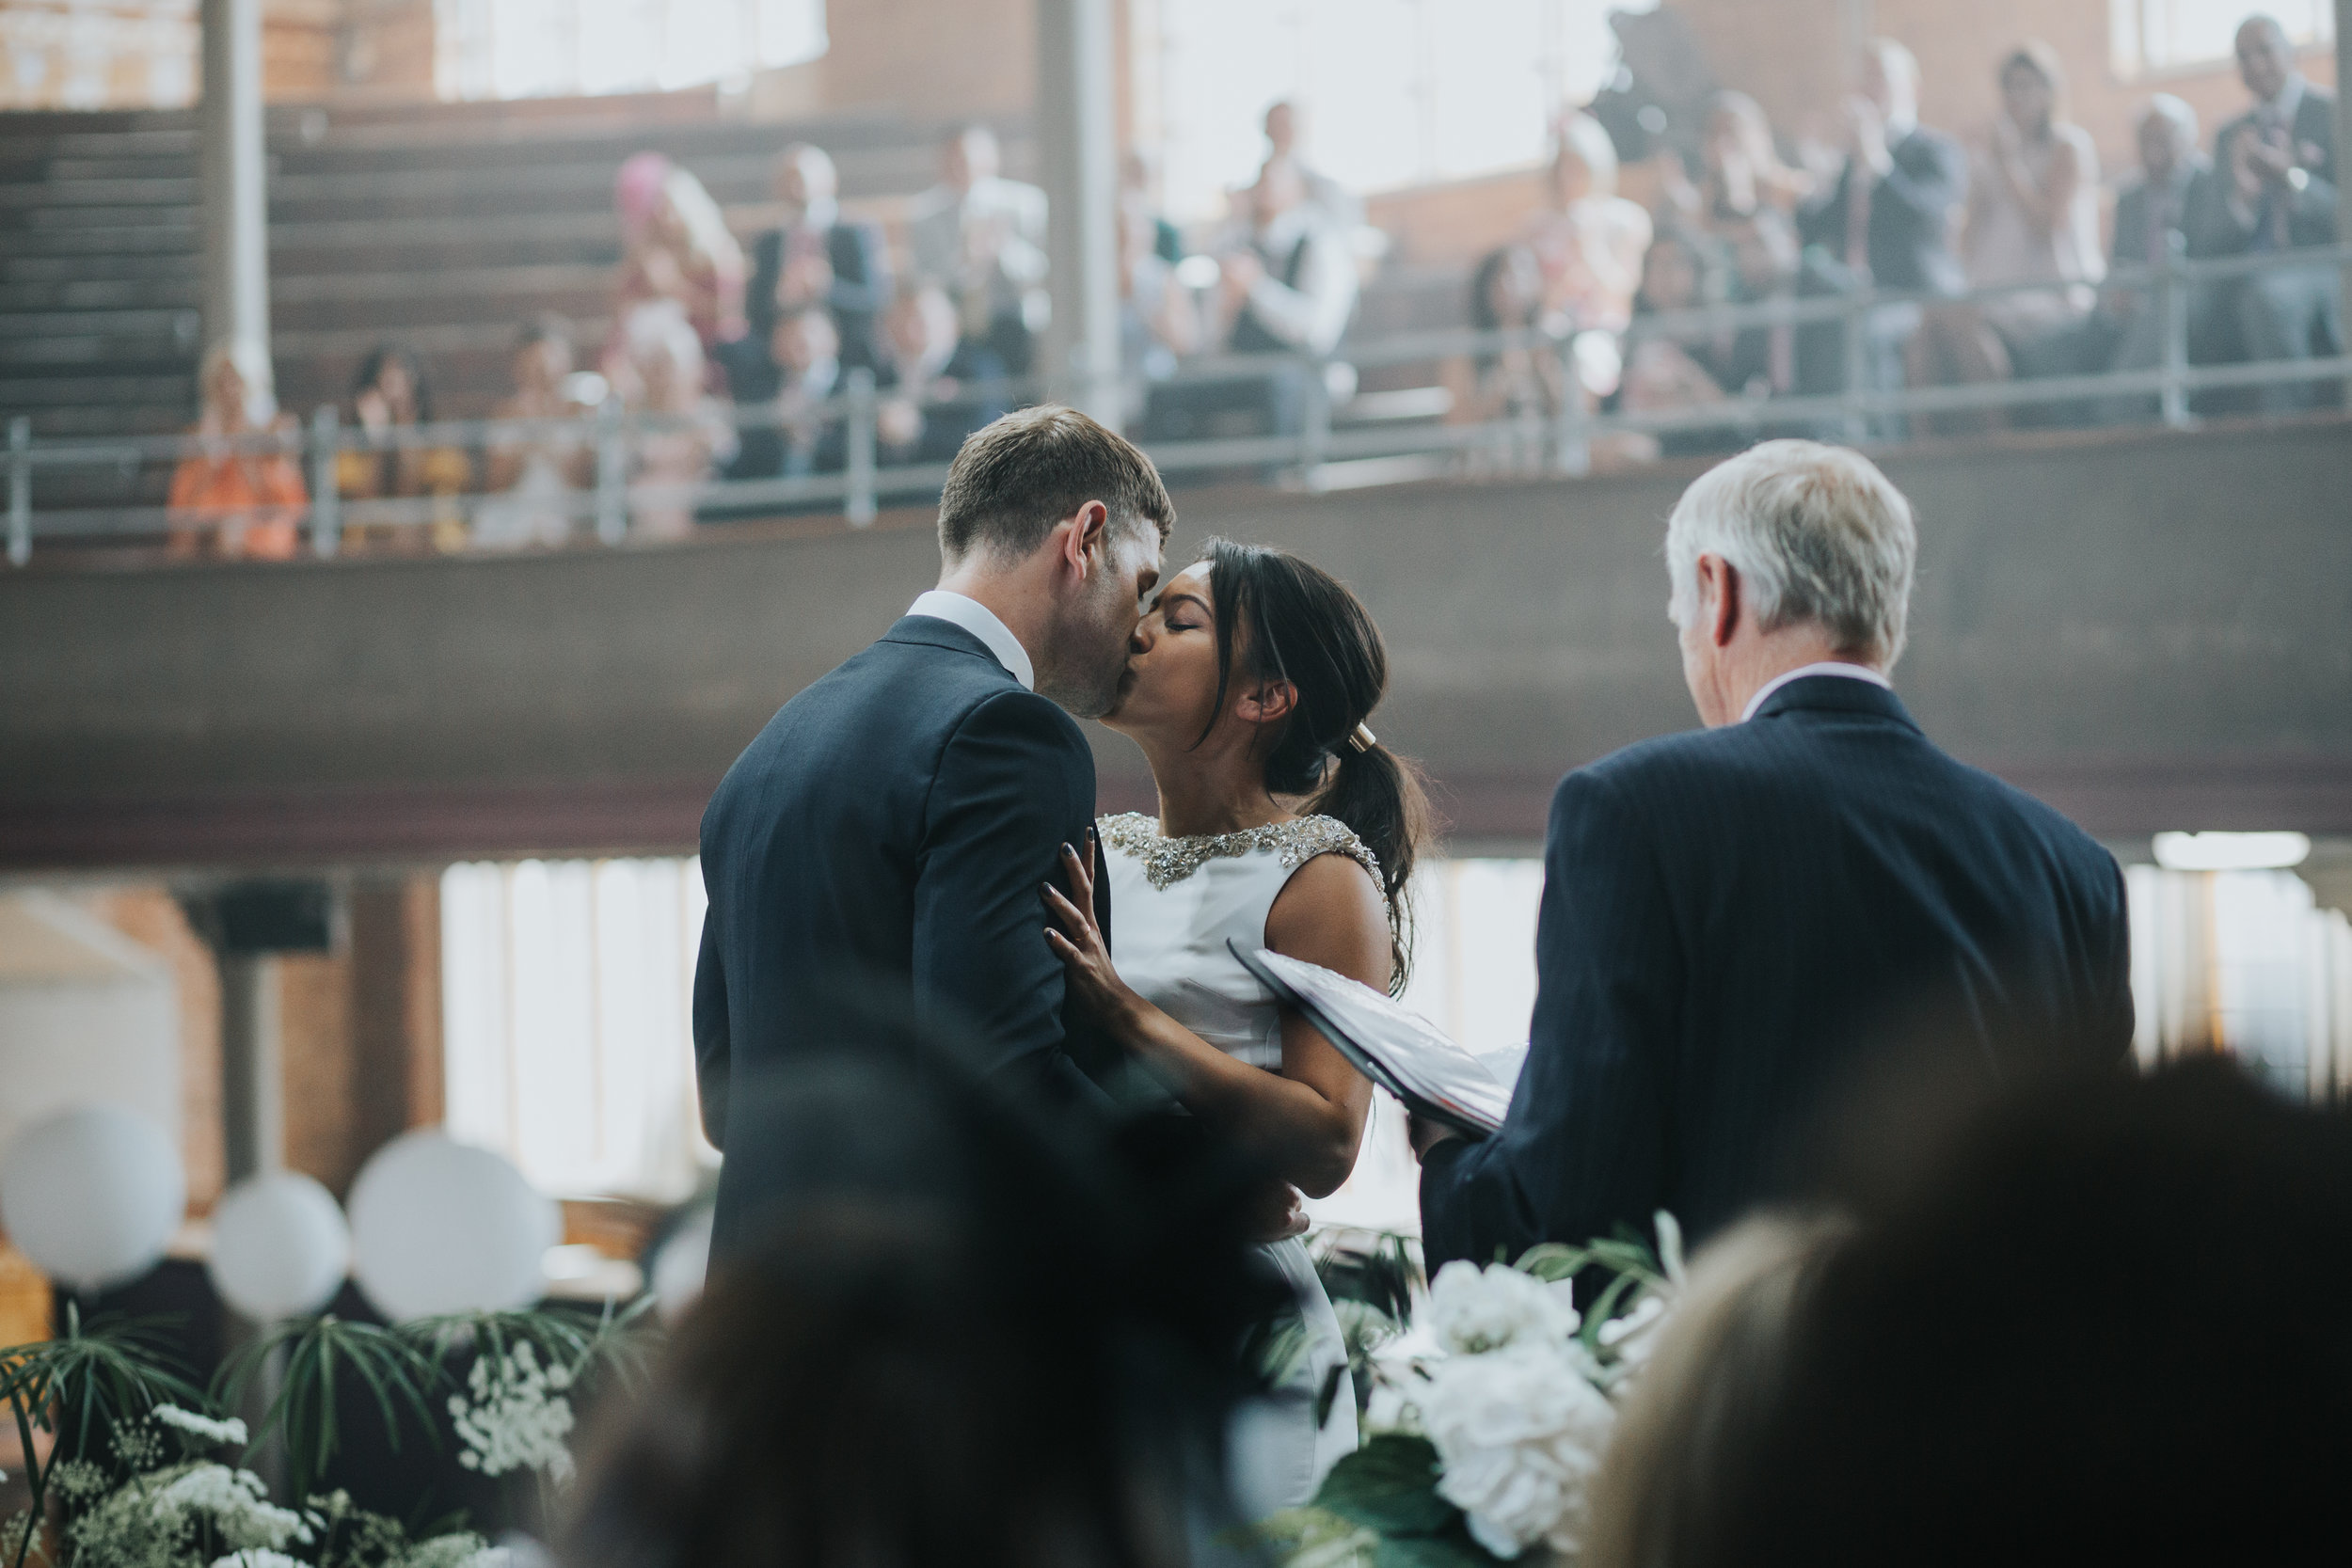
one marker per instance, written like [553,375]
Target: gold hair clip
[1362,739]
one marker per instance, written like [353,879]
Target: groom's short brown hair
[1015,479]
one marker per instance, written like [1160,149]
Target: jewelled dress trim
[1166,861]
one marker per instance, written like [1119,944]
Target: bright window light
[2230,851]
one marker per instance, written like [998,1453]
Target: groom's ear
[1085,533]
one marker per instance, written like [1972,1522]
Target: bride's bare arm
[1309,1119]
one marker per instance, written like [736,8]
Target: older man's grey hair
[1817,534]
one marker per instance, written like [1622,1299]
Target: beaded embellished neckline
[1168,860]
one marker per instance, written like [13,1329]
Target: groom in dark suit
[1737,922]
[881,845]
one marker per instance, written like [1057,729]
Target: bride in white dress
[1283,822]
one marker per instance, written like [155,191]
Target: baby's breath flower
[258,1556]
[230,1432]
[517,1417]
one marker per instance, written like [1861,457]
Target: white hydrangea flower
[1520,1435]
[258,1557]
[229,1432]
[1477,1310]
[518,1415]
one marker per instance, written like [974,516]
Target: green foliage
[587,1345]
[303,1412]
[1378,1508]
[1625,1258]
[95,1376]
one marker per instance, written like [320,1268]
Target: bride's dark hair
[1281,619]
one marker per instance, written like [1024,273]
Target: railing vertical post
[326,500]
[2172,301]
[1572,452]
[20,490]
[611,473]
[1314,431]
[859,504]
[1857,354]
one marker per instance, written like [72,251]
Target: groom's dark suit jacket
[1734,922]
[882,846]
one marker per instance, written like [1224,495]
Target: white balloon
[280,1246]
[438,1226]
[92,1194]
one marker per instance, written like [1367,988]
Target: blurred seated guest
[675,246]
[797,434]
[390,398]
[1744,170]
[536,473]
[2276,169]
[1683,271]
[1159,318]
[1834,1395]
[227,500]
[2033,216]
[1287,289]
[1788,358]
[680,432]
[2156,217]
[1285,141]
[940,388]
[1590,240]
[816,257]
[1887,218]
[982,238]
[1518,382]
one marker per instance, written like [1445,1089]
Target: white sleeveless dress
[1174,901]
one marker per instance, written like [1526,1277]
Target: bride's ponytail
[1286,620]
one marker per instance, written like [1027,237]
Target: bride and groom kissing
[1734,921]
[922,818]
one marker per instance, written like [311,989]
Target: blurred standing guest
[940,388]
[816,257]
[2277,168]
[390,398]
[798,435]
[1743,171]
[1790,359]
[1887,218]
[240,502]
[537,473]
[1285,142]
[1589,244]
[2033,216]
[659,378]
[675,246]
[982,238]
[1138,180]
[2155,218]
[1159,318]
[1738,920]
[1289,288]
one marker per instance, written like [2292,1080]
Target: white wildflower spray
[515,1415]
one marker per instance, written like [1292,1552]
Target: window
[1398,91]
[538,48]
[2152,36]
[567,999]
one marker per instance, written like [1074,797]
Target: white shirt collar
[1830,667]
[980,621]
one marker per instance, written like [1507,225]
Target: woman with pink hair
[675,246]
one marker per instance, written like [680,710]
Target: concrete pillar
[233,185]
[1077,136]
[252,1064]
[2344,123]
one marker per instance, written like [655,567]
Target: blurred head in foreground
[2104,1323]
[959,1339]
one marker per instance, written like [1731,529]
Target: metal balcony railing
[1332,430]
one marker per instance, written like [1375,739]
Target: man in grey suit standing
[2276,169]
